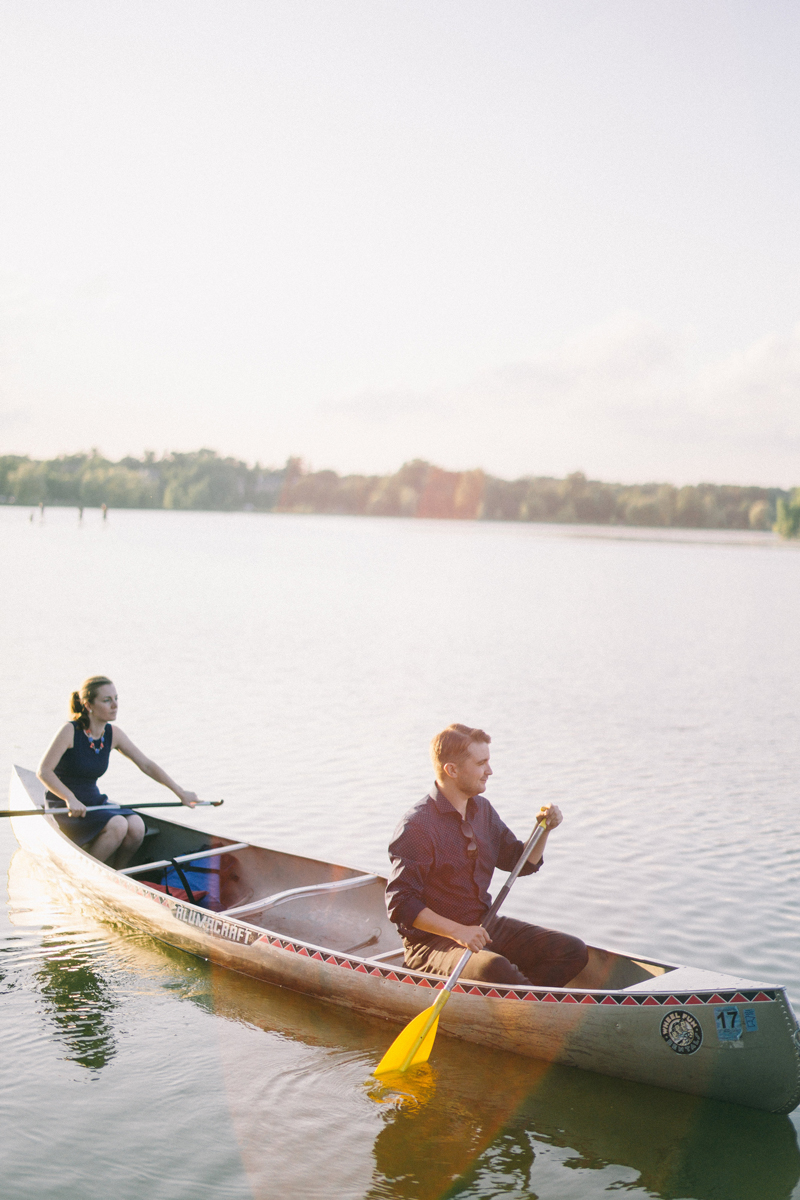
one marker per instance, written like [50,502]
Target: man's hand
[471,937]
[551,814]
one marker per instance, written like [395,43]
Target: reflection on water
[675,1146]
[79,1004]
[501,1116]
[76,998]
[471,1123]
[476,1122]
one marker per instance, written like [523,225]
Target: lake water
[647,682]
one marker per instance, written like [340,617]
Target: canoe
[322,929]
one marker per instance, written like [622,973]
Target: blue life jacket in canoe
[202,878]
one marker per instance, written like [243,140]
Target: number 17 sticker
[729,1024]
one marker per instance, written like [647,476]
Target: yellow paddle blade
[415,1043]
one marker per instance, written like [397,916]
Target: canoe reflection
[475,1121]
[78,1002]
[486,1113]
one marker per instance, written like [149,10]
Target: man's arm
[475,937]
[411,854]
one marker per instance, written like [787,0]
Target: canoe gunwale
[401,974]
[660,995]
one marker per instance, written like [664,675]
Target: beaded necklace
[92,740]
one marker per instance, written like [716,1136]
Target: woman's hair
[89,689]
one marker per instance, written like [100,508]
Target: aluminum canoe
[322,929]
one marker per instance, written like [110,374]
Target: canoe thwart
[183,858]
[312,889]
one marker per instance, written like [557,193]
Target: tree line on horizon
[204,480]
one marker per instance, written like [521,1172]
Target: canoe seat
[388,955]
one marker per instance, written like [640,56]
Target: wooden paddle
[60,812]
[415,1043]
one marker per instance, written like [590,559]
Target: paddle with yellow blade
[415,1043]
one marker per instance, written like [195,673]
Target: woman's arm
[46,772]
[121,741]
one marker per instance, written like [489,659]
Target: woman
[75,761]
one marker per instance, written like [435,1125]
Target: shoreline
[674,534]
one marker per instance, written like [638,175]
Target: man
[443,855]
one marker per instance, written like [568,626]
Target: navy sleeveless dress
[79,768]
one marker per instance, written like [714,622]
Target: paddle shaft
[532,841]
[444,994]
[60,812]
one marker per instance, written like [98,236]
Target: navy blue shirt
[431,867]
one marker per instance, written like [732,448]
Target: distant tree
[759,515]
[788,516]
[203,480]
[116,486]
[399,495]
[28,482]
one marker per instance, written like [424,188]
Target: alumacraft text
[209,923]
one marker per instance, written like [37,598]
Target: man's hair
[452,744]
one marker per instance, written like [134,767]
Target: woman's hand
[189,799]
[75,808]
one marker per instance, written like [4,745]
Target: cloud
[382,407]
[11,418]
[624,400]
[757,389]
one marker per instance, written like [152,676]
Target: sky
[533,236]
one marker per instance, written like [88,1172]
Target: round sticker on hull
[681,1031]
